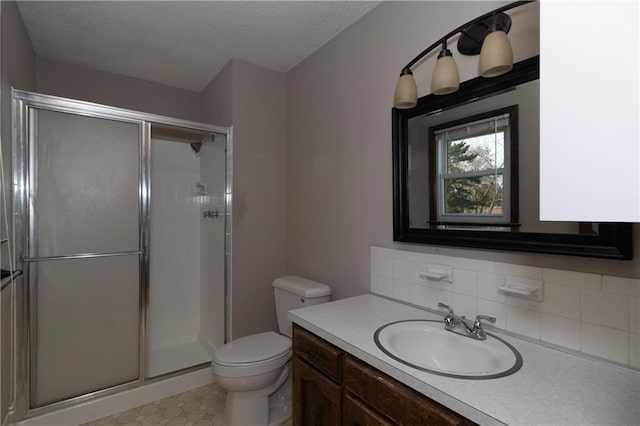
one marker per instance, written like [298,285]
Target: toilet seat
[252,355]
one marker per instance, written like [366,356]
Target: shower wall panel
[174,246]
[212,171]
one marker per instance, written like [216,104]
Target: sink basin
[427,346]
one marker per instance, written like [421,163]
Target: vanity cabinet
[331,387]
[317,376]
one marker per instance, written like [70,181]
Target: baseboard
[112,404]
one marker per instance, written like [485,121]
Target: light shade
[496,55]
[445,77]
[406,95]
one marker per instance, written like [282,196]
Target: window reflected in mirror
[473,170]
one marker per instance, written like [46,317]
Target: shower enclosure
[122,232]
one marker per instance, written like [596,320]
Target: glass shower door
[84,248]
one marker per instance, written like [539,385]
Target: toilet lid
[254,348]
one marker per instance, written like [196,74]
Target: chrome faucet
[464,326]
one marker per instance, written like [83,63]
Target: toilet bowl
[251,369]
[255,370]
[252,362]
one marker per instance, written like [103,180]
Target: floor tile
[202,406]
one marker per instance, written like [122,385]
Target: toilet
[255,370]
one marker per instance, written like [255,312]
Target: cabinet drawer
[393,399]
[322,355]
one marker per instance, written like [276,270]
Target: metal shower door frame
[25,107]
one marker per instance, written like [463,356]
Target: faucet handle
[447,307]
[477,325]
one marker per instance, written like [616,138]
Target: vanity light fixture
[445,77]
[406,94]
[485,35]
[496,55]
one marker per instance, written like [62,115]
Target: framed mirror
[466,173]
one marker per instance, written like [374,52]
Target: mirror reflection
[466,173]
[475,166]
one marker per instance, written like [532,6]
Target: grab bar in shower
[81,256]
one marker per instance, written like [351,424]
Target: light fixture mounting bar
[407,68]
[472,37]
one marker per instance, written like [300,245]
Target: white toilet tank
[293,292]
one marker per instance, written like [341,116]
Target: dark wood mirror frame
[613,241]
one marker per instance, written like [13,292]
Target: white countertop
[552,387]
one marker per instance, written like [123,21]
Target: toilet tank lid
[302,286]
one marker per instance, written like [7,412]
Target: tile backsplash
[592,313]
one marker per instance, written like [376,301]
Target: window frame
[437,157]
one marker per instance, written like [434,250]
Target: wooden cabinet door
[318,400]
[355,413]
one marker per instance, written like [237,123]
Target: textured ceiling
[184,44]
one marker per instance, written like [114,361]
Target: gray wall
[257,101]
[18,70]
[76,82]
[339,183]
[216,100]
